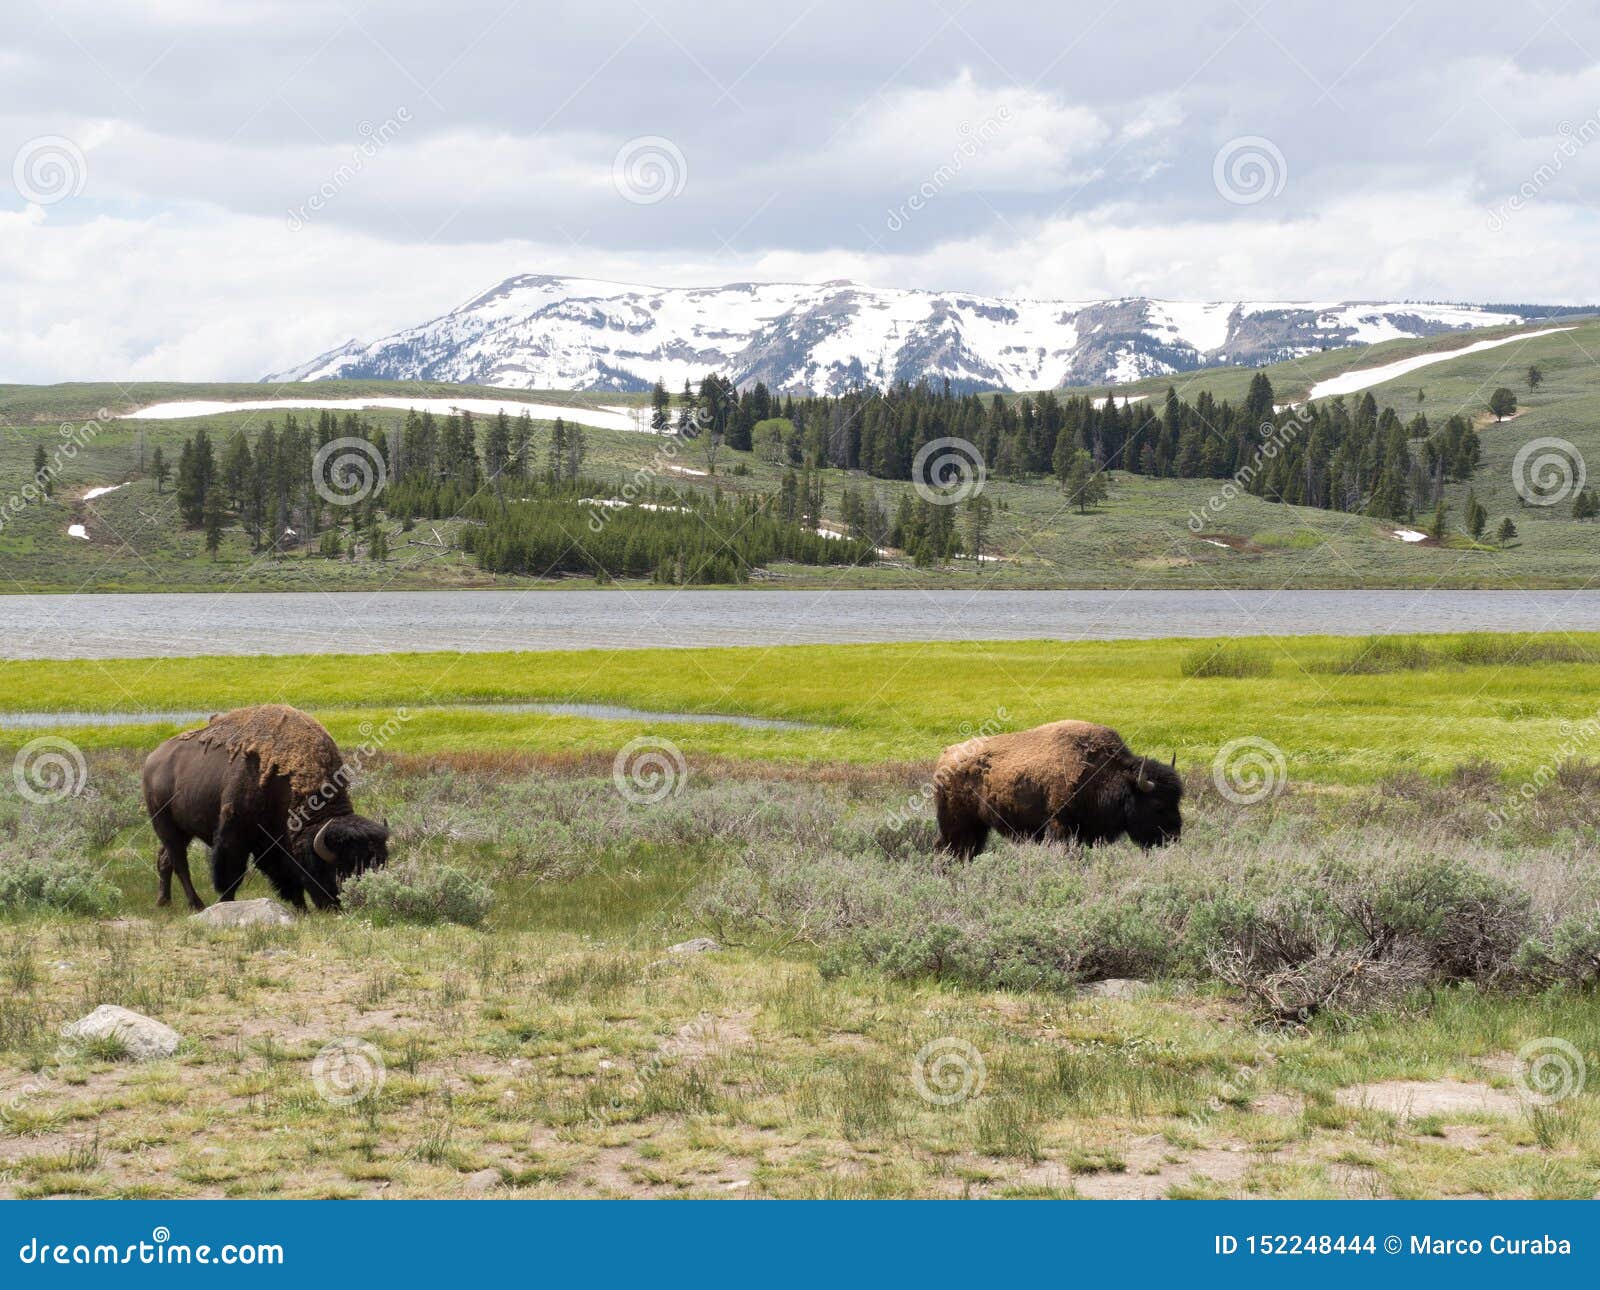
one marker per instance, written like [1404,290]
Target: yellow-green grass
[878,703]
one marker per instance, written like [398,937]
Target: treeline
[527,506]
[1335,455]
[576,527]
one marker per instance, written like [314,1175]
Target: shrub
[416,893]
[1224,661]
[55,882]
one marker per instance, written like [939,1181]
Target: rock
[482,1180]
[700,945]
[1114,987]
[145,1038]
[245,913]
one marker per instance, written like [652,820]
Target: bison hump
[284,741]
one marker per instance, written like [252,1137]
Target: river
[185,625]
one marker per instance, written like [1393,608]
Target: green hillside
[1140,536]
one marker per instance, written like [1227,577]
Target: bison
[1066,781]
[266,783]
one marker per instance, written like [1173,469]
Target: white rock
[1116,987]
[482,1180]
[145,1038]
[699,945]
[245,913]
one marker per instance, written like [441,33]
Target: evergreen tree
[196,471]
[1506,532]
[41,471]
[980,510]
[378,547]
[1475,517]
[1503,403]
[1535,377]
[212,516]
[660,408]
[556,458]
[159,468]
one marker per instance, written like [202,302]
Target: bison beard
[1069,781]
[263,783]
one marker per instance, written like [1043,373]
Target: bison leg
[172,856]
[230,857]
[279,868]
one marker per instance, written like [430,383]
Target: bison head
[347,845]
[1151,815]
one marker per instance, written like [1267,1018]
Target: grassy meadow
[1343,711]
[1139,536]
[1341,982]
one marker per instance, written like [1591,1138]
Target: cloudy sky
[204,190]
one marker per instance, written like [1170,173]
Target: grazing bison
[1067,781]
[266,783]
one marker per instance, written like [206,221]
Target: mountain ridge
[548,331]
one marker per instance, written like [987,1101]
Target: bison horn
[1174,762]
[323,850]
[1143,784]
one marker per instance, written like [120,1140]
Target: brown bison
[266,783]
[1067,781]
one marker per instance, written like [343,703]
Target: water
[184,625]
[596,711]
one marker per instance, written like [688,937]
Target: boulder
[482,1180]
[144,1038]
[700,945]
[245,913]
[1115,987]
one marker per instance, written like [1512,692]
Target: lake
[184,625]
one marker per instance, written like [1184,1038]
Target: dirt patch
[706,1035]
[1232,541]
[1155,1167]
[1414,1099]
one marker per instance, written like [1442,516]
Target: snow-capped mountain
[542,332]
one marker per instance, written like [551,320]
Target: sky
[202,190]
